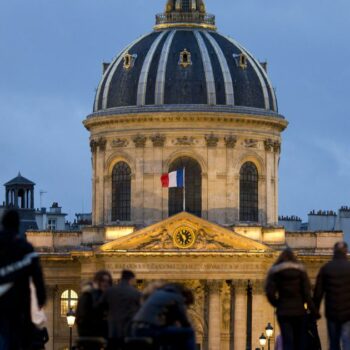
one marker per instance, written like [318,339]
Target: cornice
[185,25]
[157,118]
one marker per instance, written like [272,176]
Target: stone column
[93,147]
[212,142]
[158,144]
[262,312]
[240,317]
[231,190]
[214,290]
[140,143]
[50,314]
[98,191]
[277,150]
[270,182]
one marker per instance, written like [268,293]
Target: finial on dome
[185,13]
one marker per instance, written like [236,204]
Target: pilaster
[140,143]
[52,295]
[100,145]
[214,290]
[240,317]
[212,142]
[158,142]
[231,190]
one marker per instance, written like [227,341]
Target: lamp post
[262,341]
[70,321]
[269,333]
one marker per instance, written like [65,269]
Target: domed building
[184,101]
[185,96]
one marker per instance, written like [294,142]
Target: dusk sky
[51,54]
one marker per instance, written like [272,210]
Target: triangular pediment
[184,232]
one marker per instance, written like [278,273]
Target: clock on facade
[184,237]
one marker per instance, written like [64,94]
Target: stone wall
[220,147]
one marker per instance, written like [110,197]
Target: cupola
[185,13]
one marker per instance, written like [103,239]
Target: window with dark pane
[249,196]
[193,187]
[121,192]
[186,5]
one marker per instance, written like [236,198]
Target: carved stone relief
[226,307]
[118,143]
[184,141]
[251,143]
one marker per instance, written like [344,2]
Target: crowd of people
[129,319]
[118,316]
[288,289]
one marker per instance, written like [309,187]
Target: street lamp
[70,322]
[269,333]
[262,340]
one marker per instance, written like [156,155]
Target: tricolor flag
[173,179]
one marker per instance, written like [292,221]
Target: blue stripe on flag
[180,178]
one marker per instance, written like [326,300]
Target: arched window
[121,192]
[193,188]
[69,300]
[249,196]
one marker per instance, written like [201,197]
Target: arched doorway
[193,188]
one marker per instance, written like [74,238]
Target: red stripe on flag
[165,180]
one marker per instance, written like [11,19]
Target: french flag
[173,179]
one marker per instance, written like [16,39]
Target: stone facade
[225,267]
[221,145]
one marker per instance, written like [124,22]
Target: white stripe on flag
[173,179]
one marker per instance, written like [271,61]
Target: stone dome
[185,63]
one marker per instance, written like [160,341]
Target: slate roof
[214,77]
[19,180]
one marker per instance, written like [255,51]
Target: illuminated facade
[187,97]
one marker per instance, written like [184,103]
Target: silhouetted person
[288,290]
[18,264]
[163,317]
[91,321]
[333,281]
[121,301]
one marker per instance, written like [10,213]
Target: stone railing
[191,17]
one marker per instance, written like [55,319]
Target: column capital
[214,286]
[241,286]
[269,144]
[158,140]
[52,290]
[140,141]
[212,140]
[277,147]
[230,141]
[93,146]
[258,286]
[99,143]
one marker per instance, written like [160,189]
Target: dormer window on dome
[185,13]
[129,61]
[243,61]
[185,58]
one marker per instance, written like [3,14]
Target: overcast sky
[50,65]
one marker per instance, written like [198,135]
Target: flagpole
[184,189]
